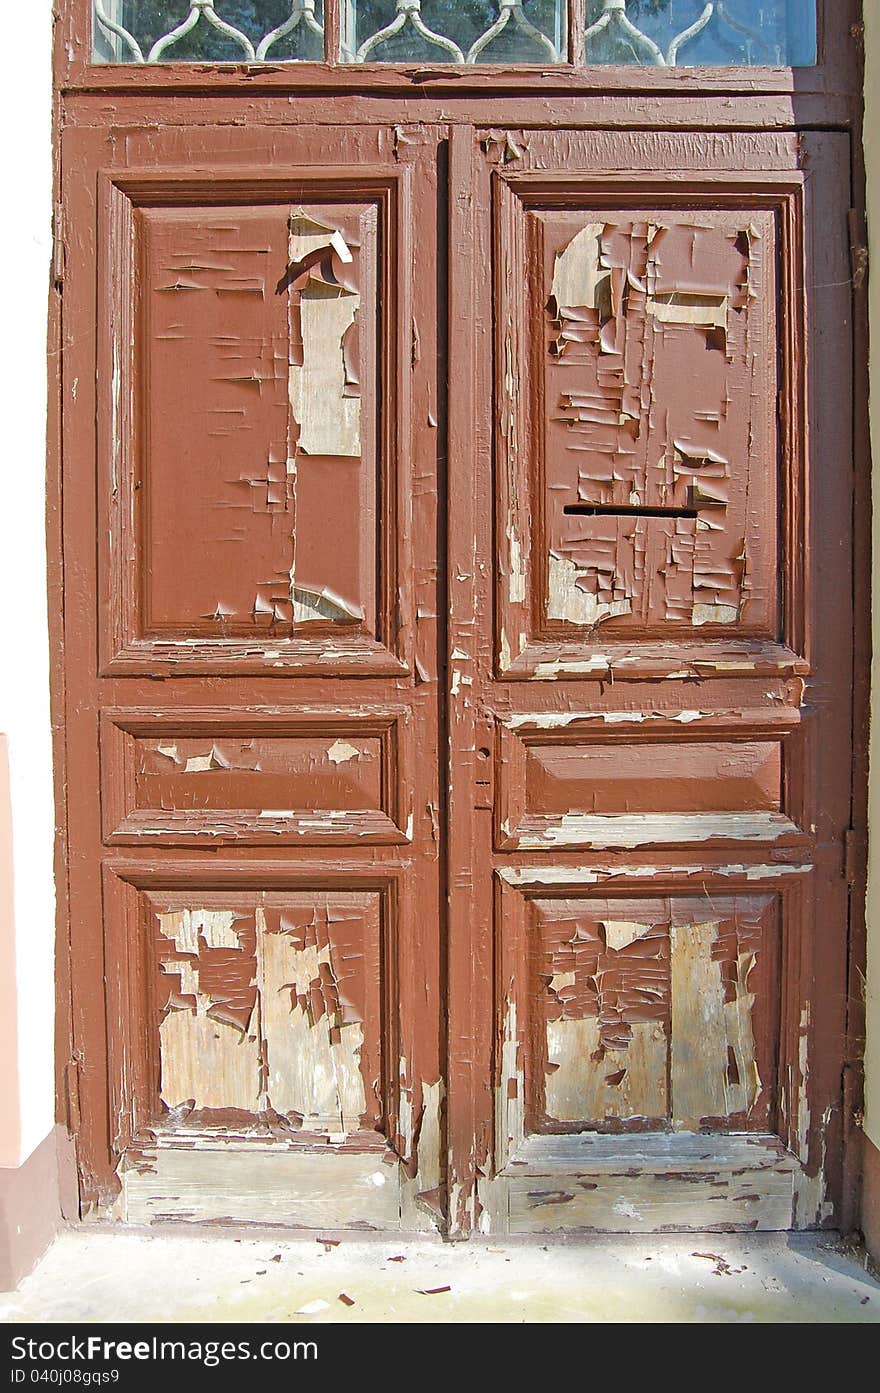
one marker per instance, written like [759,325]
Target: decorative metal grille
[455,31]
[660,33]
[209,31]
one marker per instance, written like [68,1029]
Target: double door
[458,651]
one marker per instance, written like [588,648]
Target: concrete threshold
[98,1276]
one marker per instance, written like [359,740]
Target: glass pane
[208,31]
[454,31]
[387,31]
[686,33]
[682,33]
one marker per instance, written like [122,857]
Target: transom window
[657,33]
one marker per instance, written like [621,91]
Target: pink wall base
[10,1107]
[30,1209]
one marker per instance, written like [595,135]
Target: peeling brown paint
[314,1038]
[273,1011]
[714,1071]
[648,1013]
[324,392]
[279,420]
[209,1053]
[606,1013]
[636,500]
[650,469]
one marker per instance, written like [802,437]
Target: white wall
[25,253]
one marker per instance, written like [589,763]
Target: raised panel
[252,459]
[252,409]
[319,775]
[680,778]
[661,320]
[640,446]
[255,1013]
[647,1001]
[625,780]
[652,1012]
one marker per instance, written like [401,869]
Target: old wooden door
[531,919]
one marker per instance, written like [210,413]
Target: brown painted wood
[436,813]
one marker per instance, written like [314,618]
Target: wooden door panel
[254,867]
[628,778]
[234,309]
[204,449]
[293,777]
[644,1058]
[650,666]
[270,1011]
[643,1014]
[640,487]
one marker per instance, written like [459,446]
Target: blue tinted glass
[688,33]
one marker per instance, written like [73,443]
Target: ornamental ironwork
[656,33]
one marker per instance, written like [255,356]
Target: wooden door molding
[132,640]
[286,794]
[770,638]
[761,799]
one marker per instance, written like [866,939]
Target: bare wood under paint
[259,1186]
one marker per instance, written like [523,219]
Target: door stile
[829,693]
[469,942]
